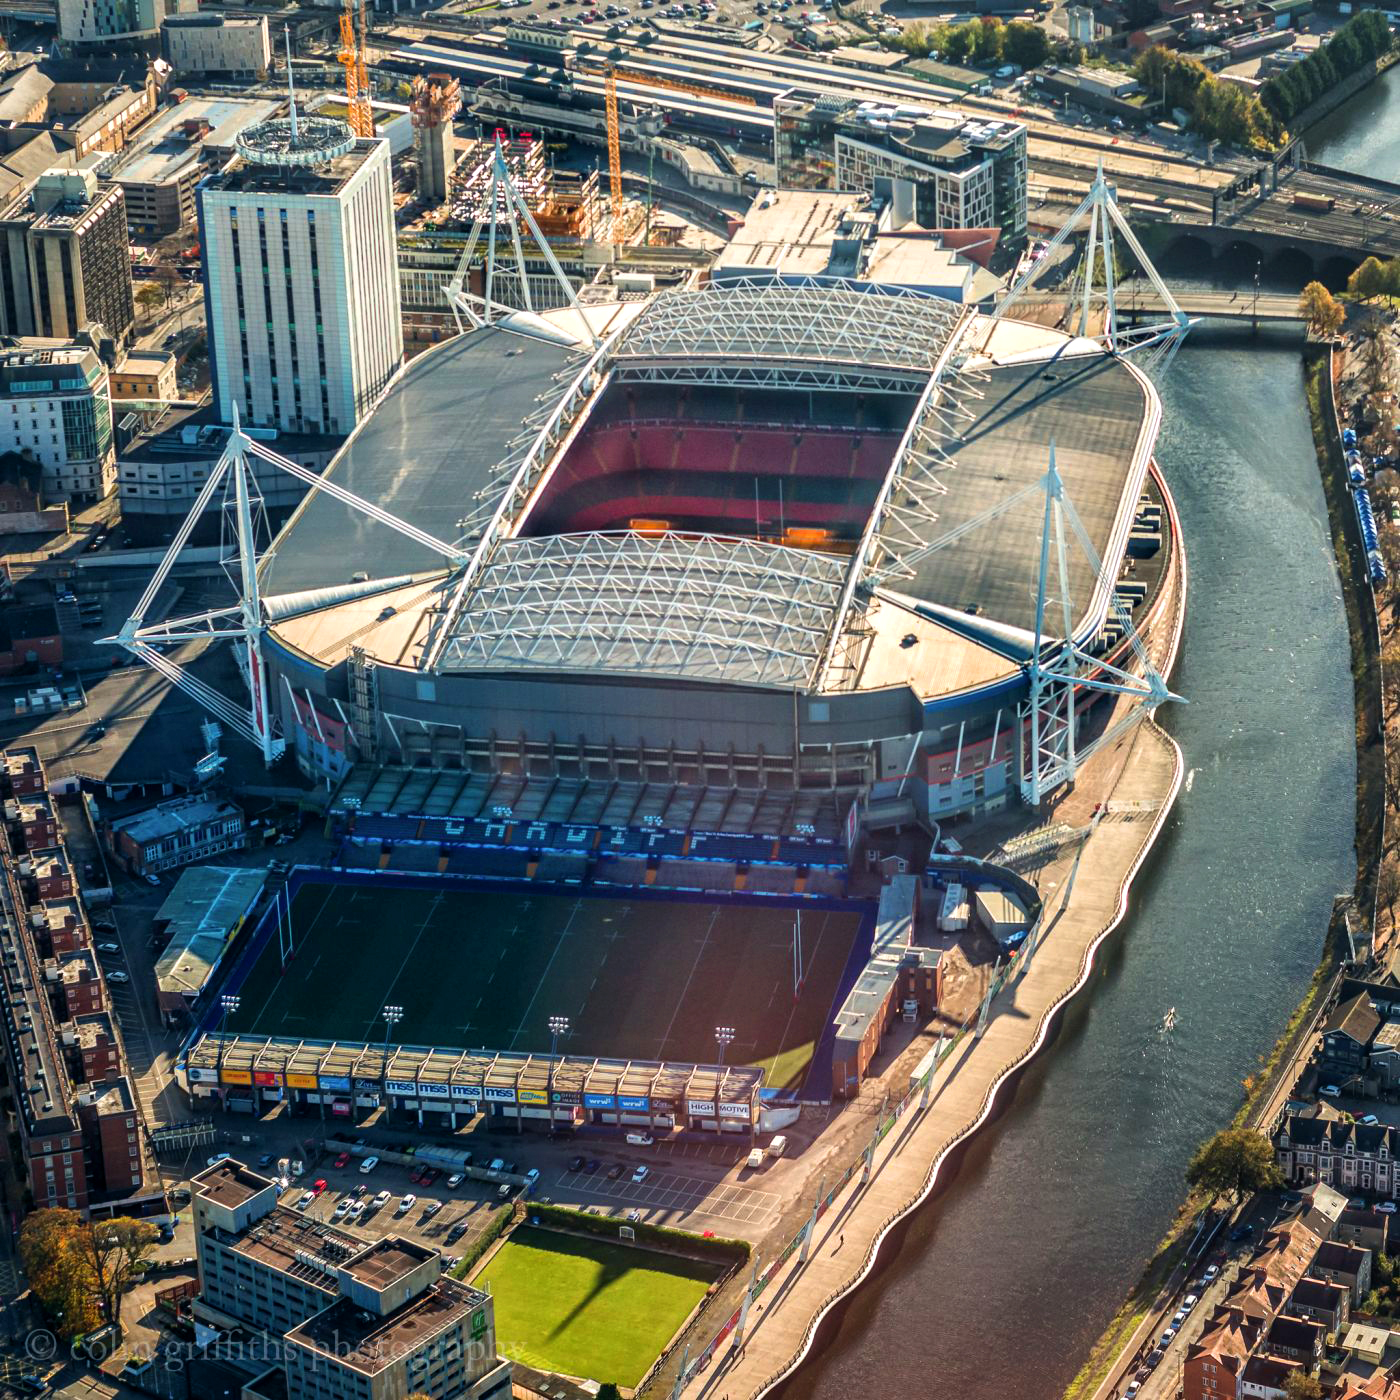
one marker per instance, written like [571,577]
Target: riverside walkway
[1139,774]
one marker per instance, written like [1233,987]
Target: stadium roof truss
[701,607]
[769,333]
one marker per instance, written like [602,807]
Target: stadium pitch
[589,1307]
[645,977]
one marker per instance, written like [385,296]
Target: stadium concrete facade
[744,535]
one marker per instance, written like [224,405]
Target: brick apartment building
[78,1123]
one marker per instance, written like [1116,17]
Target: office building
[301,276]
[161,169]
[65,261]
[374,1321]
[177,832]
[54,411]
[231,46]
[967,172]
[810,237]
[96,21]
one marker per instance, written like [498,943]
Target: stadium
[741,536]
[610,631]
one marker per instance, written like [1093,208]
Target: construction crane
[632,75]
[614,152]
[358,113]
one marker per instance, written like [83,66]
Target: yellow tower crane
[632,75]
[359,113]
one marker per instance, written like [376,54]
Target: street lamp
[392,1016]
[724,1037]
[558,1025]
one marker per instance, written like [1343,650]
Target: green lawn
[587,1308]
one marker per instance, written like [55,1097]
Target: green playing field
[482,968]
[586,1307]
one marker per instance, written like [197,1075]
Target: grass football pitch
[484,968]
[588,1307]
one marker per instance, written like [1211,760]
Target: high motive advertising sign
[700,1108]
[734,1110]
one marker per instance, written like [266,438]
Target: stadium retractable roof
[699,607]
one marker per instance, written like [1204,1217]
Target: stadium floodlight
[228,1004]
[392,1016]
[558,1025]
[724,1038]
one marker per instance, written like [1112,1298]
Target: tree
[1325,313]
[608,1391]
[1369,280]
[50,1251]
[149,296]
[1025,44]
[113,1251]
[1299,1385]
[1234,1162]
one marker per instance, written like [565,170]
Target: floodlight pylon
[504,198]
[1059,668]
[245,622]
[1157,342]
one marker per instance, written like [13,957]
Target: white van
[640,1139]
[778,1146]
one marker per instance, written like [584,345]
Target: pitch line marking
[558,943]
[434,905]
[310,930]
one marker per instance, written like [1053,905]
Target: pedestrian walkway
[1142,766]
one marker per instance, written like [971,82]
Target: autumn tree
[114,1251]
[1369,280]
[1299,1385]
[1325,314]
[149,297]
[1235,1162]
[58,1274]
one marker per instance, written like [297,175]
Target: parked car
[1164,1340]
[754,1160]
[381,1200]
[1211,1271]
[532,1178]
[432,1209]
[1331,1090]
[1189,1302]
[305,1199]
[265,1160]
[503,1191]
[498,1164]
[456,1232]
[1179,1318]
[151,879]
[118,977]
[298,1167]
[454,1181]
[1386,1207]
[341,1160]
[640,1174]
[406,1204]
[575,1164]
[109,948]
[319,1185]
[217,1158]
[1369,1121]
[368,1165]
[342,1208]
[615,1171]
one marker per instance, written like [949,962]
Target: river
[1001,1285]
[1360,135]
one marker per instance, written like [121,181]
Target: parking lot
[663,1197]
